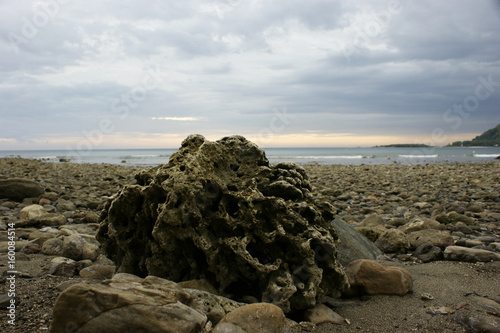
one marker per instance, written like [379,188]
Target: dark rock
[19,189]
[219,211]
[428,252]
[353,245]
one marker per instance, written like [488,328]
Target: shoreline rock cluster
[413,214]
[451,214]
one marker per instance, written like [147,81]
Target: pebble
[322,314]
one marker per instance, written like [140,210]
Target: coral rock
[219,211]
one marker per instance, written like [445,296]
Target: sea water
[345,156]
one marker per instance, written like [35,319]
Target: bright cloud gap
[179,118]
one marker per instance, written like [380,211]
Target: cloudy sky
[124,74]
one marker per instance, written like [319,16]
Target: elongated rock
[18,189]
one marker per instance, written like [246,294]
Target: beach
[395,194]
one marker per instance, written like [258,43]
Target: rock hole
[182,168]
[178,203]
[234,167]
[232,188]
[231,206]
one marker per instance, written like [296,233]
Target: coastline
[355,191]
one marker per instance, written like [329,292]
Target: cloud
[352,71]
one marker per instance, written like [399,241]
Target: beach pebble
[370,277]
[52,219]
[468,254]
[421,223]
[31,248]
[393,241]
[258,317]
[478,322]
[323,314]
[32,213]
[438,238]
[72,246]
[19,189]
[97,272]
[454,217]
[373,220]
[148,305]
[427,252]
[61,266]
[65,205]
[462,227]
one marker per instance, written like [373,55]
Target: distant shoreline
[405,145]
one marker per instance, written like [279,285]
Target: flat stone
[438,238]
[97,272]
[461,253]
[151,305]
[19,189]
[353,245]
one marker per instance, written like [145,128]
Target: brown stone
[370,277]
[258,317]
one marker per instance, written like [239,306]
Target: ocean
[345,156]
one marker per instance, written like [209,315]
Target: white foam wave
[486,155]
[419,156]
[318,157]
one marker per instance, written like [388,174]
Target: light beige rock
[421,224]
[258,317]
[99,272]
[151,305]
[32,213]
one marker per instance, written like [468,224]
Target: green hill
[489,138]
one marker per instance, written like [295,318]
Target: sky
[145,74]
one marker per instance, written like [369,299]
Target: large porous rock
[18,189]
[128,304]
[219,211]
